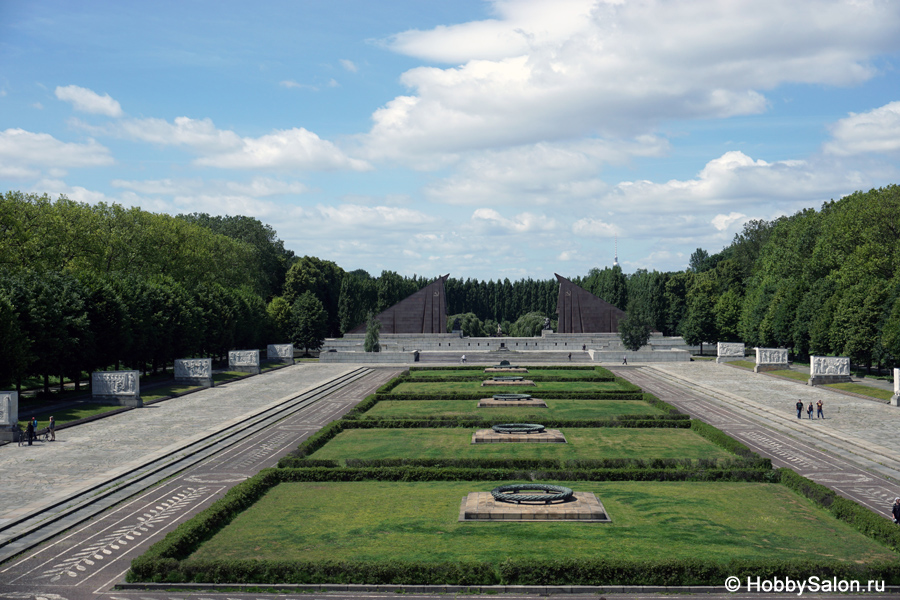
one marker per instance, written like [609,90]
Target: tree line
[86,287]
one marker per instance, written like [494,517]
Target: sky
[485,139]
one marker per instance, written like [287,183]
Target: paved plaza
[83,456]
[864,431]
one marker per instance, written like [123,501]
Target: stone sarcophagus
[828,369]
[729,351]
[283,353]
[245,361]
[771,359]
[117,387]
[9,416]
[194,371]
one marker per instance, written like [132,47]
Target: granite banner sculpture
[729,351]
[828,369]
[771,359]
[119,387]
[196,371]
[283,353]
[246,361]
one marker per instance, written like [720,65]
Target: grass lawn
[600,442]
[532,372]
[378,521]
[227,376]
[165,391]
[745,364]
[799,376]
[73,413]
[556,409]
[473,387]
[864,390]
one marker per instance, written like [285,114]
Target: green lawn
[73,413]
[601,442]
[746,364]
[864,390]
[378,521]
[556,409]
[799,376]
[165,391]
[473,387]
[532,372]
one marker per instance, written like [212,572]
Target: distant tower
[616,259]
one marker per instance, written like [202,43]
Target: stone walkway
[38,475]
[864,431]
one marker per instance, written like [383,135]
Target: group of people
[809,409]
[32,429]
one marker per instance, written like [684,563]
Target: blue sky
[512,138]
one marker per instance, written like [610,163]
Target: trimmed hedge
[722,439]
[487,392]
[659,404]
[869,523]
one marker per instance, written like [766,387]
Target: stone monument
[194,371]
[895,399]
[828,369]
[770,359]
[117,387]
[9,416]
[245,361]
[727,351]
[283,353]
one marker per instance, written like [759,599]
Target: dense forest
[87,287]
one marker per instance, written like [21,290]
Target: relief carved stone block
[729,351]
[9,409]
[194,370]
[120,387]
[280,352]
[828,369]
[244,360]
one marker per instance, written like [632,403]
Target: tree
[373,329]
[699,261]
[279,311]
[635,328]
[700,323]
[310,322]
[322,278]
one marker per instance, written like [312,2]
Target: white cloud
[85,100]
[348,65]
[489,220]
[589,227]
[541,71]
[295,148]
[723,222]
[258,187]
[22,151]
[287,149]
[875,131]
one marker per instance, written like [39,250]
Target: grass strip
[862,390]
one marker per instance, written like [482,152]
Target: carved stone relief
[829,365]
[115,383]
[280,351]
[9,409]
[730,350]
[243,358]
[193,368]
[771,356]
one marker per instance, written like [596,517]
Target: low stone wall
[641,356]
[403,358]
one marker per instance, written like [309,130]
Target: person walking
[52,428]
[799,409]
[895,510]
[624,359]
[34,424]
[809,410]
[570,356]
[819,413]
[29,432]
[462,359]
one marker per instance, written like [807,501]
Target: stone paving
[39,475]
[865,430]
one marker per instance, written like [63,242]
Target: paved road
[86,561]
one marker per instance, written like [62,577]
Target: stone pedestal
[194,371]
[117,387]
[281,353]
[9,416]
[489,436]
[506,370]
[584,507]
[492,403]
[244,361]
